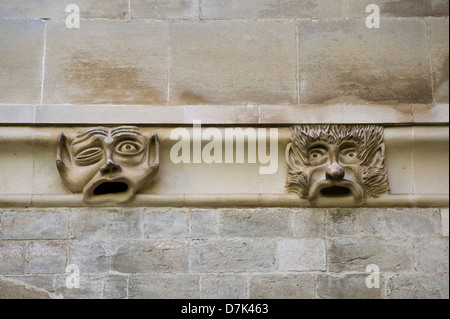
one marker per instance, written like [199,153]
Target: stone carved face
[108,165]
[336,161]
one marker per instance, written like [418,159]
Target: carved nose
[335,172]
[110,168]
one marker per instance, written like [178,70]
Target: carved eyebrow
[125,130]
[90,133]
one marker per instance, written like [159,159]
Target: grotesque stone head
[336,161]
[108,165]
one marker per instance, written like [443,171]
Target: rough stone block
[204,224]
[164,9]
[232,255]
[48,9]
[12,258]
[255,223]
[164,286]
[342,222]
[166,224]
[40,224]
[354,254]
[432,255]
[122,63]
[305,254]
[408,222]
[444,221]
[342,61]
[310,222]
[272,9]
[349,286]
[439,45]
[10,289]
[223,286]
[233,62]
[90,287]
[90,256]
[407,286]
[47,257]
[44,282]
[106,223]
[115,287]
[149,256]
[21,60]
[396,8]
[276,286]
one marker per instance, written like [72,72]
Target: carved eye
[317,155]
[129,148]
[89,156]
[349,155]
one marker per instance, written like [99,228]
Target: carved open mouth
[118,190]
[335,191]
[110,188]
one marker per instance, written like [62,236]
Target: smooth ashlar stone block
[90,256]
[399,8]
[342,223]
[232,255]
[204,223]
[47,257]
[432,255]
[223,286]
[444,221]
[12,258]
[164,9]
[439,45]
[115,287]
[407,286]
[90,287]
[275,286]
[306,254]
[21,60]
[123,63]
[45,9]
[310,222]
[233,62]
[166,224]
[164,286]
[342,61]
[349,286]
[272,9]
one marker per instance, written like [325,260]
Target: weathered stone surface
[342,223]
[149,256]
[444,221]
[310,222]
[44,282]
[272,9]
[407,286]
[232,255]
[233,62]
[90,256]
[399,8]
[122,63]
[349,286]
[164,9]
[342,61]
[164,286]
[115,287]
[12,258]
[21,60]
[106,223]
[399,222]
[354,254]
[439,45]
[166,224]
[276,286]
[255,223]
[47,257]
[204,223]
[40,224]
[15,290]
[112,9]
[90,287]
[223,286]
[432,255]
[305,254]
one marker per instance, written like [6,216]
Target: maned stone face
[223,286]
[232,255]
[21,60]
[350,286]
[305,254]
[272,9]
[399,8]
[406,286]
[342,61]
[164,9]
[233,62]
[122,63]
[292,286]
[164,286]
[149,256]
[44,9]
[439,45]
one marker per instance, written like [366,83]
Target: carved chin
[106,190]
[336,189]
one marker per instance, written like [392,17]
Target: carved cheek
[353,172]
[316,173]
